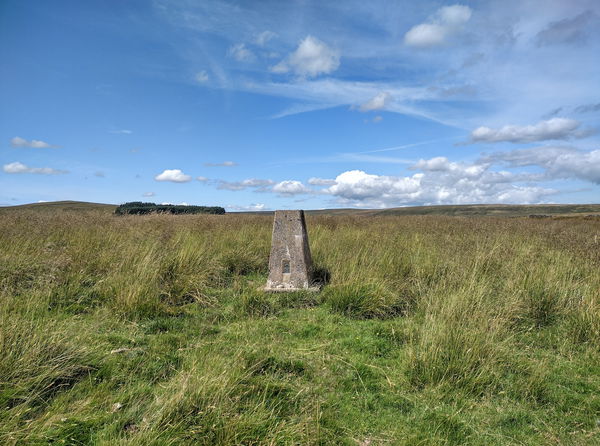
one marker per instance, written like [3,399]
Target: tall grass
[430,330]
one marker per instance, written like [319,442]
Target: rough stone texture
[290,264]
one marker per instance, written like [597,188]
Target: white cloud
[378,102]
[356,185]
[377,119]
[18,167]
[263,38]
[440,182]
[555,128]
[34,143]
[202,179]
[320,181]
[173,175]
[148,194]
[121,132]
[557,162]
[202,77]
[311,58]
[253,207]
[291,187]
[326,93]
[425,35]
[446,22]
[455,15]
[223,164]
[240,53]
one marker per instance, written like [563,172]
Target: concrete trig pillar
[290,263]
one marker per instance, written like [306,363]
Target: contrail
[406,146]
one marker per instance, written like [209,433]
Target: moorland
[476,328]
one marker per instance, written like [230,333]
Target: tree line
[140,208]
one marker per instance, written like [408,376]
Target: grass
[432,330]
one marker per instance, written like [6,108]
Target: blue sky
[300,104]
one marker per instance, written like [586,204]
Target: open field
[433,330]
[473,210]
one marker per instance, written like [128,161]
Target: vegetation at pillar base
[432,330]
[140,208]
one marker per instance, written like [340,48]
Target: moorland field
[431,330]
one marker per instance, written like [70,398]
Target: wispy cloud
[264,37]
[223,164]
[569,31]
[588,108]
[120,132]
[555,128]
[17,141]
[18,167]
[257,184]
[202,77]
[241,53]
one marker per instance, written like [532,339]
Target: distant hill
[63,206]
[500,210]
[474,210]
[469,210]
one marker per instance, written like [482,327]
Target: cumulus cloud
[570,31]
[442,182]
[263,38]
[173,175]
[446,22]
[202,77]
[311,58]
[240,53]
[148,194]
[254,183]
[223,164]
[17,141]
[487,180]
[378,102]
[356,185]
[555,128]
[291,187]
[202,179]
[557,162]
[18,167]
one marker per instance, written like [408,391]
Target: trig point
[290,264]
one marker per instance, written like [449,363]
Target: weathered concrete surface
[290,264]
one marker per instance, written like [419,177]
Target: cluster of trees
[138,207]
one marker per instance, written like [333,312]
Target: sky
[259,105]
